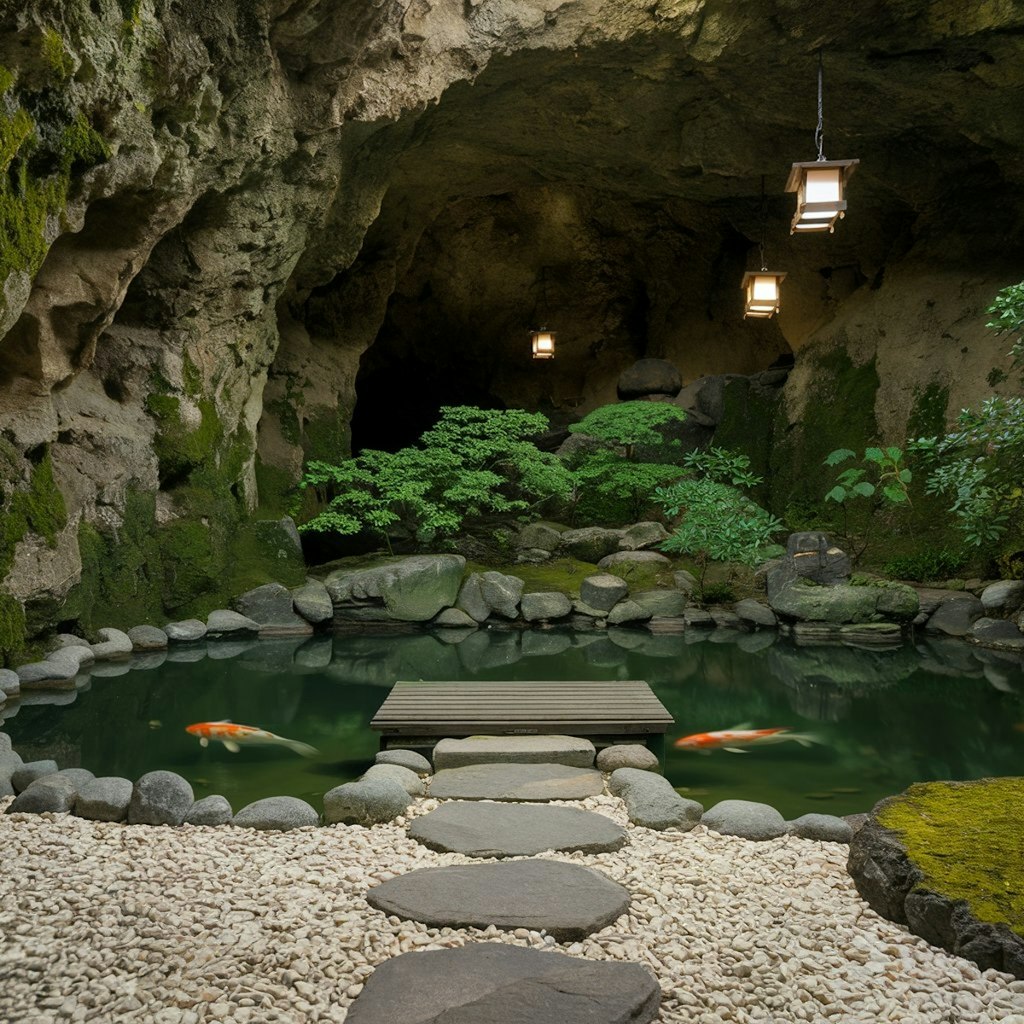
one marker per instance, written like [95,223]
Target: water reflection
[934,709]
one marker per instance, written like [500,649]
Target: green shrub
[934,564]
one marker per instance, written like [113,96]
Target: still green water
[937,710]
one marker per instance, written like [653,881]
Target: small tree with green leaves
[1007,312]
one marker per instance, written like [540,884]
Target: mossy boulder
[806,601]
[945,859]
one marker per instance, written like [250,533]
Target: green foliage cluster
[926,566]
[472,462]
[892,477]
[1007,312]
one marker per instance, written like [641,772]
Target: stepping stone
[490,983]
[515,830]
[516,782]
[570,750]
[566,900]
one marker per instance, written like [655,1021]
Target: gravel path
[109,922]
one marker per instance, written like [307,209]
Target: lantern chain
[764,222]
[819,132]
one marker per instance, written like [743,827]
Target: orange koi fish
[730,739]
[234,736]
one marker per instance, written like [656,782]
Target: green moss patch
[967,838]
[38,508]
[12,628]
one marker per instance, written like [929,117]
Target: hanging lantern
[761,293]
[543,344]
[820,184]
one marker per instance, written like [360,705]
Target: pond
[885,719]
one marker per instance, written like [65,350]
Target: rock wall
[221,220]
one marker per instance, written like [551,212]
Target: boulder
[603,591]
[211,810]
[113,644]
[698,618]
[186,631]
[104,799]
[745,818]
[406,758]
[62,640]
[539,536]
[756,614]
[541,607]
[160,798]
[955,616]
[986,630]
[813,556]
[502,593]
[661,603]
[416,589]
[628,611]
[533,556]
[276,814]
[826,828]
[684,580]
[41,675]
[627,558]
[649,377]
[590,544]
[405,777]
[10,683]
[366,802]
[582,608]
[50,794]
[147,638]
[76,655]
[313,602]
[807,601]
[642,535]
[272,607]
[455,618]
[568,750]
[627,755]
[32,771]
[78,777]
[470,599]
[1005,596]
[224,622]
[652,802]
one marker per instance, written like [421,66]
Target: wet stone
[186,631]
[147,638]
[745,818]
[568,750]
[515,830]
[569,902]
[491,983]
[516,782]
[160,798]
[406,758]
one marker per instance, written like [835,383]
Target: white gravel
[108,922]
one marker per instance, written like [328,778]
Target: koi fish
[729,739]
[234,736]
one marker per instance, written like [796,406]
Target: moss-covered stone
[968,841]
[12,628]
[180,448]
[38,508]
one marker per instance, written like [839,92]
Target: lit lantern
[543,342]
[761,291]
[820,186]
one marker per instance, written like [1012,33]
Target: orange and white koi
[234,736]
[731,739]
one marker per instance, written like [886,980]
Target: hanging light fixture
[542,341]
[761,287]
[820,184]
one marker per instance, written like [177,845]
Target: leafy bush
[1007,311]
[892,476]
[717,593]
[629,425]
[722,465]
[472,462]
[934,564]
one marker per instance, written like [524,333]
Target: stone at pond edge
[406,758]
[104,799]
[417,588]
[30,772]
[515,830]
[147,638]
[652,802]
[366,802]
[185,631]
[405,777]
[211,810]
[114,643]
[603,591]
[955,616]
[1003,596]
[995,629]
[537,607]
[568,901]
[50,793]
[276,814]
[313,602]
[10,682]
[665,603]
[502,593]
[224,622]
[455,618]
[633,558]
[516,782]
[628,611]
[825,828]
[470,599]
[627,755]
[573,751]
[271,606]
[755,613]
[493,983]
[745,818]
[160,798]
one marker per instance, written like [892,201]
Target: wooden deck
[605,708]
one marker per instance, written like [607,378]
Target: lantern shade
[820,186]
[761,293]
[543,344]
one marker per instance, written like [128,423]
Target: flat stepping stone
[515,830]
[490,983]
[566,900]
[516,782]
[570,750]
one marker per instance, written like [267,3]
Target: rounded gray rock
[755,613]
[643,535]
[313,602]
[627,755]
[628,611]
[366,802]
[147,638]
[405,777]
[634,558]
[649,377]
[30,772]
[603,591]
[42,672]
[10,682]
[826,828]
[160,798]
[211,810]
[186,631]
[276,814]
[455,618]
[539,607]
[502,593]
[567,901]
[114,643]
[652,802]
[746,819]
[406,758]
[224,622]
[590,543]
[515,830]
[104,799]
[78,777]
[50,793]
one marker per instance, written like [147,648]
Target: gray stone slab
[569,750]
[515,830]
[491,983]
[516,782]
[652,802]
[567,901]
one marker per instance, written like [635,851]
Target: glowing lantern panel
[543,344]
[761,289]
[820,187]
